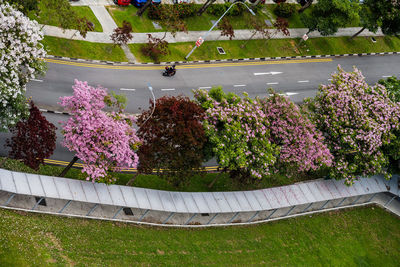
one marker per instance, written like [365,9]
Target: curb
[105,62]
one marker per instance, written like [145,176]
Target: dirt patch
[58,246]
[293,44]
[160,252]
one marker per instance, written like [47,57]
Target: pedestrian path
[110,2]
[104,18]
[192,36]
[73,197]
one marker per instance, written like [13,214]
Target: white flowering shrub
[20,60]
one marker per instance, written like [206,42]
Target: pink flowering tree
[104,141]
[238,133]
[301,145]
[356,120]
[21,56]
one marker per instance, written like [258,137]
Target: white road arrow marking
[267,73]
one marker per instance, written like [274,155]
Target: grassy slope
[82,49]
[198,183]
[275,48]
[196,23]
[359,237]
[82,11]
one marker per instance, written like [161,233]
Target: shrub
[154,12]
[284,10]
[216,10]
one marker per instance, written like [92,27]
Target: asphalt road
[296,78]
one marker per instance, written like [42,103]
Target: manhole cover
[221,51]
[156,25]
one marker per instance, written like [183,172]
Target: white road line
[385,76]
[127,89]
[289,93]
[168,89]
[267,73]
[36,80]
[329,79]
[239,85]
[305,81]
[205,87]
[272,83]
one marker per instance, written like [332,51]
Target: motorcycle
[169,71]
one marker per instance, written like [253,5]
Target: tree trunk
[357,33]
[132,180]
[143,8]
[204,7]
[307,5]
[245,43]
[64,172]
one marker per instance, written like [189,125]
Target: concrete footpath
[192,36]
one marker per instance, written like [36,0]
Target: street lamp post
[154,102]
[215,24]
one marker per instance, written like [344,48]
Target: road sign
[199,41]
[305,37]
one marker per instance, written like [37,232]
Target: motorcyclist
[170,69]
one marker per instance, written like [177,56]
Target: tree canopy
[327,16]
[104,141]
[34,139]
[357,120]
[20,60]
[173,137]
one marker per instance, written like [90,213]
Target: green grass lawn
[82,49]
[196,23]
[197,183]
[366,236]
[274,48]
[82,11]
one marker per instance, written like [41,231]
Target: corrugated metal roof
[185,202]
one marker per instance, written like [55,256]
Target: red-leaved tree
[122,35]
[34,139]
[226,28]
[173,137]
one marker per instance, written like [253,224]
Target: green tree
[25,6]
[392,150]
[327,16]
[380,13]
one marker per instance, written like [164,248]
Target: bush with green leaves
[285,10]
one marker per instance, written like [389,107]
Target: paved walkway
[104,37]
[110,2]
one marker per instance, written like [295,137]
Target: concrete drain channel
[77,198]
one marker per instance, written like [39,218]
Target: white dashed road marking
[289,93]
[36,80]
[272,83]
[168,89]
[386,76]
[305,81]
[127,89]
[267,73]
[239,85]
[205,87]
